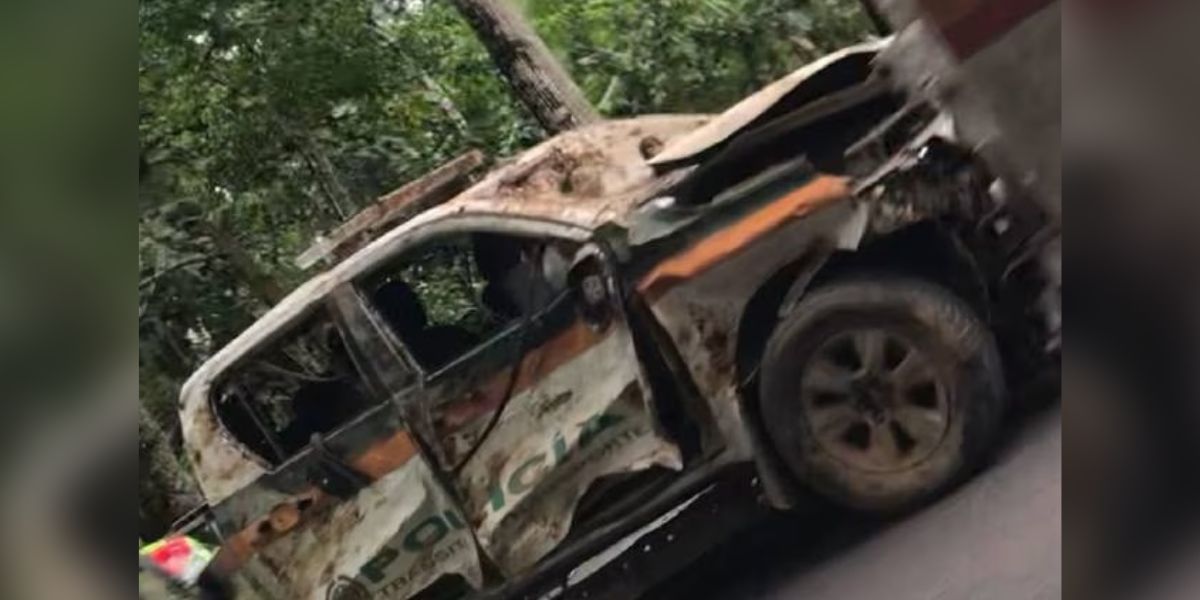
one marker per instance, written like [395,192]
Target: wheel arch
[924,249]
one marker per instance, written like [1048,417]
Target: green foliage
[265,122]
[449,285]
[689,55]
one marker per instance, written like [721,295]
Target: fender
[846,238]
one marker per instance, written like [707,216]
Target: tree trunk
[323,171]
[539,81]
[262,285]
[326,176]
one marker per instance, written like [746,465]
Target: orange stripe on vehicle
[723,244]
[385,456]
[378,460]
[388,455]
[536,365]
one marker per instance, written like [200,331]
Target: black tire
[903,332]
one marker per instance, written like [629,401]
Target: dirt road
[998,537]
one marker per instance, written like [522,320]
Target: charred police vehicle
[498,395]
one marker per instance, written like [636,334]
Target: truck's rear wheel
[881,393]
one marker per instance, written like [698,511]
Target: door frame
[431,383]
[371,331]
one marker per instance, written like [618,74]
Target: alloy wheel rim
[874,401]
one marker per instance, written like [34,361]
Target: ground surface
[998,537]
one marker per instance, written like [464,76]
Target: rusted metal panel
[581,421]
[293,538]
[391,540]
[287,499]
[588,176]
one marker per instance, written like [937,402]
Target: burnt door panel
[360,511]
[393,537]
[574,406]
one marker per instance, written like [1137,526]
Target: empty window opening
[301,384]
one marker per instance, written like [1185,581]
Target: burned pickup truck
[819,284]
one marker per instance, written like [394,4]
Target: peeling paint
[702,312]
[418,536]
[585,420]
